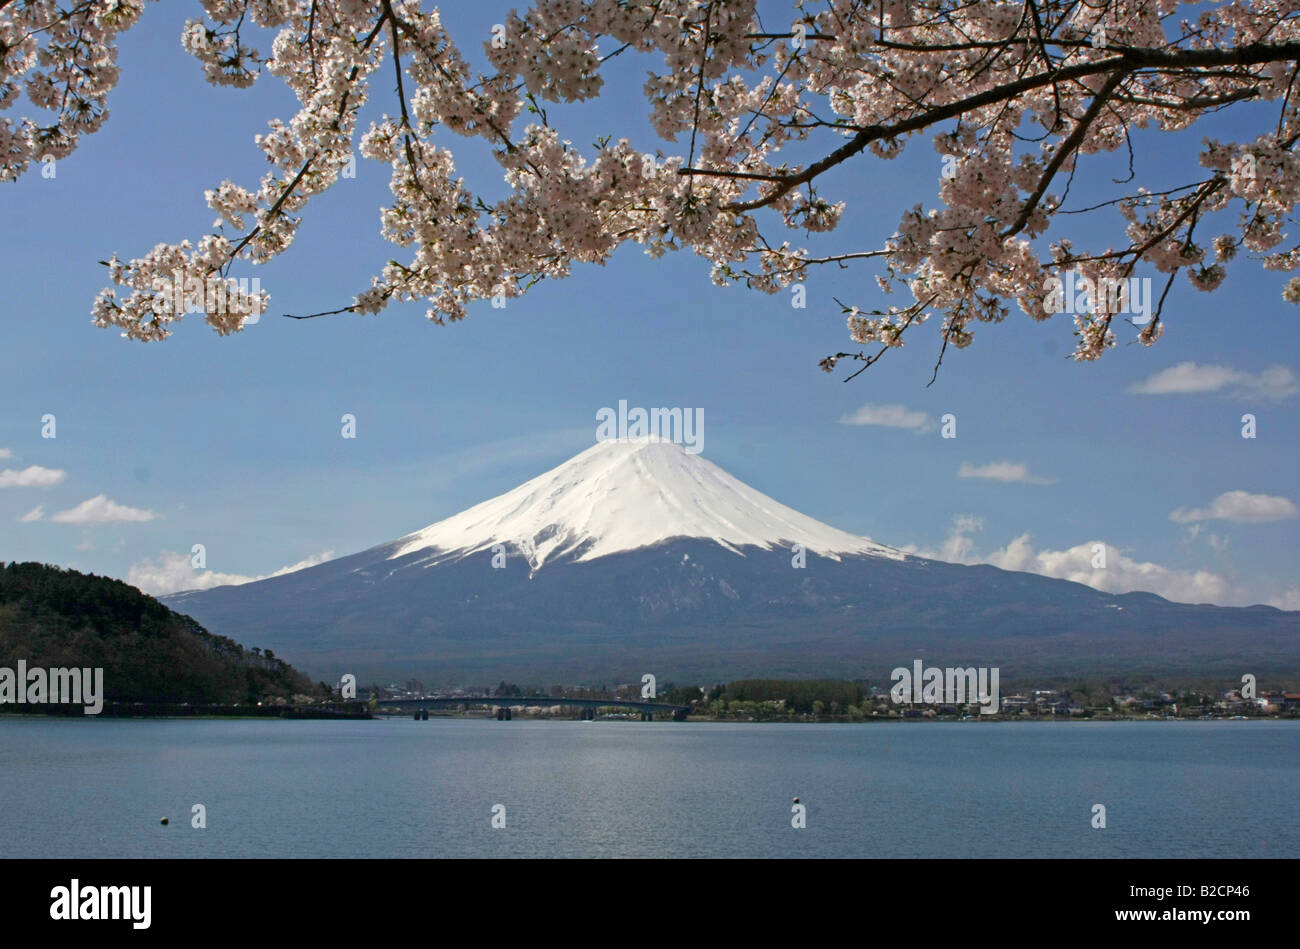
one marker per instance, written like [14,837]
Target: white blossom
[1012,105]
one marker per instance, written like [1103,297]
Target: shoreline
[303,715]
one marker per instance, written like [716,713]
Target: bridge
[504,703]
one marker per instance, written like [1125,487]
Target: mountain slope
[55,618]
[634,558]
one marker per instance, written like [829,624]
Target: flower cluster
[1013,97]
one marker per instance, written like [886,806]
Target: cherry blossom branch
[1014,95]
[1127,60]
[1064,151]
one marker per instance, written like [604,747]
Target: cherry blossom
[1012,95]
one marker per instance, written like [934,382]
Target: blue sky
[235,442]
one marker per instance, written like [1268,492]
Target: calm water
[400,788]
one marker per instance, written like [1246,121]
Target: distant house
[1278,701]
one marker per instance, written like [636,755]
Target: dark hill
[52,617]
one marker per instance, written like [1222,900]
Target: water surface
[400,788]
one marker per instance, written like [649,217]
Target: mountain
[56,618]
[637,557]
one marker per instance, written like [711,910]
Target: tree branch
[1128,60]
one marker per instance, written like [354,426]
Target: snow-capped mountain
[639,557]
[624,495]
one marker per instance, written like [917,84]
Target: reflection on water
[400,788]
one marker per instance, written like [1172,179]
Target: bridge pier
[507,713]
[501,714]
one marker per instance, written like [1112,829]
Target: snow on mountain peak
[626,494]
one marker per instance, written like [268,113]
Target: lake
[401,788]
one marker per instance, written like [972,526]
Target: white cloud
[311,561]
[1240,506]
[1289,600]
[35,514]
[889,416]
[33,477]
[1275,383]
[6,453]
[1186,377]
[173,572]
[1122,574]
[100,510]
[1006,471]
[958,547]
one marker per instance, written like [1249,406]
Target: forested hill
[53,617]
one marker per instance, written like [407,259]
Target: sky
[235,443]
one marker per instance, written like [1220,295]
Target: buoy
[164,822]
[796,800]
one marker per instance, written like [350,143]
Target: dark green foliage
[52,617]
[798,695]
[679,694]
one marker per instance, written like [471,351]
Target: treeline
[52,617]
[799,695]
